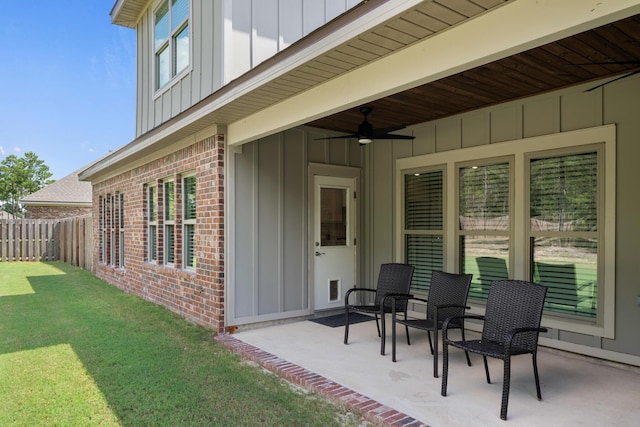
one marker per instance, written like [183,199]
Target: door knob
[319,253]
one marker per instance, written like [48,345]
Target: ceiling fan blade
[351,135]
[615,80]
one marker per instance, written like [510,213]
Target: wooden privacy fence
[69,240]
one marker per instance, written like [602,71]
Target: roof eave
[127,12]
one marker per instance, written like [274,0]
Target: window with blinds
[121,230]
[189,222]
[112,229]
[484,212]
[103,229]
[152,224]
[563,216]
[169,222]
[424,224]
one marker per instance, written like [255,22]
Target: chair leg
[377,325]
[430,343]
[445,366]
[466,353]
[393,338]
[486,369]
[505,388]
[384,333]
[435,351]
[406,329]
[346,325]
[535,374]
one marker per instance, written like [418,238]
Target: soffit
[127,12]
[419,22]
[567,62]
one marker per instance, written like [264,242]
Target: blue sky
[68,82]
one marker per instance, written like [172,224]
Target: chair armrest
[445,325]
[452,306]
[395,297]
[407,297]
[346,296]
[513,332]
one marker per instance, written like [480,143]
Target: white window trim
[159,91]
[520,149]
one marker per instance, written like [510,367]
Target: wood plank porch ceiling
[553,66]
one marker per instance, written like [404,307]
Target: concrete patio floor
[576,391]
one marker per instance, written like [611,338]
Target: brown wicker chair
[447,297]
[511,327]
[394,280]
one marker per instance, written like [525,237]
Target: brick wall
[196,295]
[55,212]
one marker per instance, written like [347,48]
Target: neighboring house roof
[68,191]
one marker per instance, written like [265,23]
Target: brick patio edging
[369,409]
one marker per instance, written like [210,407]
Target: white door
[334,240]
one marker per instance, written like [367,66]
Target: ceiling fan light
[365,140]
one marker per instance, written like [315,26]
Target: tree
[19,177]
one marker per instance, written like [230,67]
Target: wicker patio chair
[394,280]
[447,297]
[511,327]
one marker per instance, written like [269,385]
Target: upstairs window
[171,39]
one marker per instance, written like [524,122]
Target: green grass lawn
[75,351]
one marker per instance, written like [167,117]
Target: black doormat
[338,319]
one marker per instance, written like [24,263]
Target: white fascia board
[515,27]
[358,26]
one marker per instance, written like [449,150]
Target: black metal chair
[394,280]
[447,297]
[511,327]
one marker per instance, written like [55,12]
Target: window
[563,217]
[169,222]
[103,229]
[112,229]
[152,224]
[171,40]
[189,222]
[120,230]
[540,209]
[483,212]
[423,224]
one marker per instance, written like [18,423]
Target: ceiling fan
[367,134]
[630,73]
